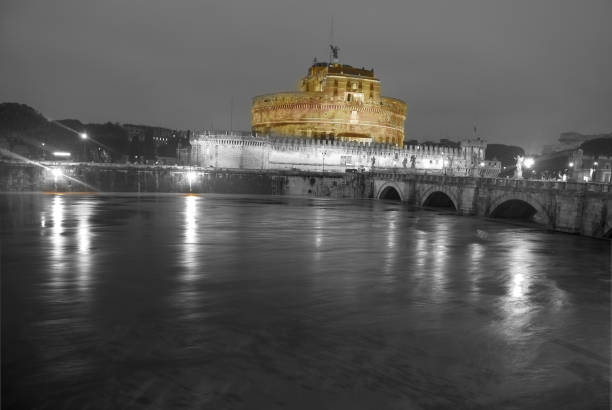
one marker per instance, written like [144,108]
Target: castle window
[349,97]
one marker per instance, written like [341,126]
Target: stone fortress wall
[234,151]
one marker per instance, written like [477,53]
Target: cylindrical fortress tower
[334,101]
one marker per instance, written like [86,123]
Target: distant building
[588,168]
[571,140]
[335,102]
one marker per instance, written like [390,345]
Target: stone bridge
[564,206]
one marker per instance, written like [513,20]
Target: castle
[336,102]
[338,122]
[244,151]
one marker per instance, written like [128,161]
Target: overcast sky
[523,70]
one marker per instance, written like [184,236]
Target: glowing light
[61,154]
[57,172]
[482,164]
[191,176]
[529,162]
[571,164]
[595,163]
[83,135]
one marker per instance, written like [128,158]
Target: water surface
[231,302]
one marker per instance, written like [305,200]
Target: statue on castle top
[334,50]
[518,171]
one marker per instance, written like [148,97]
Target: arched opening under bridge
[439,199]
[390,194]
[515,209]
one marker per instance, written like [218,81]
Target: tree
[505,153]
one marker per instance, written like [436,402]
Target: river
[231,302]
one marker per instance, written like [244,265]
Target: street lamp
[83,136]
[191,176]
[324,154]
[529,162]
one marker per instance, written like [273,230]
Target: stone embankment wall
[571,207]
[74,177]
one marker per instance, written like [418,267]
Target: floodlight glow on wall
[61,154]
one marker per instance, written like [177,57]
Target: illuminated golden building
[334,101]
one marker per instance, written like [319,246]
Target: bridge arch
[390,191]
[519,206]
[437,194]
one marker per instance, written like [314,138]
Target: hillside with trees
[598,147]
[26,133]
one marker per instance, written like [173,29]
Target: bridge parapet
[527,184]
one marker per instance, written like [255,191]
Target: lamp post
[84,138]
[528,162]
[324,154]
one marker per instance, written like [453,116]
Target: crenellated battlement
[246,151]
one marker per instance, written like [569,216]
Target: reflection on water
[84,234]
[391,248]
[57,264]
[223,301]
[439,270]
[71,254]
[187,298]
[190,260]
